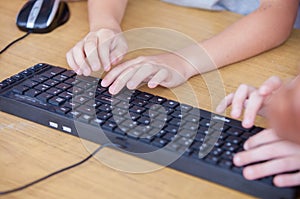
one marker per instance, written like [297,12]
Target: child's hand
[251,99]
[270,155]
[99,49]
[284,111]
[168,70]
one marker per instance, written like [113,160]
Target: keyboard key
[234,140]
[144,96]
[86,110]
[62,110]
[176,122]
[144,120]
[81,99]
[171,129]
[170,104]
[30,83]
[184,108]
[51,73]
[39,79]
[44,97]
[109,126]
[42,87]
[63,86]
[159,142]
[105,108]
[20,89]
[85,118]
[225,164]
[104,115]
[157,100]
[138,102]
[97,122]
[51,82]
[235,131]
[32,92]
[137,109]
[56,101]
[60,78]
[74,114]
[66,95]
[69,73]
[238,169]
[212,159]
[54,91]
[134,133]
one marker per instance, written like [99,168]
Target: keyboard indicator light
[67,129]
[53,124]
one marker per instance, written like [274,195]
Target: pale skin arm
[102,46]
[260,31]
[106,14]
[268,27]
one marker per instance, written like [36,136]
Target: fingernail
[235,113]
[247,123]
[219,109]
[107,68]
[248,173]
[262,90]
[246,146]
[237,160]
[78,72]
[130,85]
[112,90]
[152,85]
[86,72]
[104,83]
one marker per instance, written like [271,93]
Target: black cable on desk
[15,41]
[57,172]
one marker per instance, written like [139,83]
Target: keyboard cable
[58,171]
[15,41]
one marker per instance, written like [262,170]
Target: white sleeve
[238,6]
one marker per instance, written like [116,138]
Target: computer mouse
[42,16]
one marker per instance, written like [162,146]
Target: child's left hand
[278,156]
[168,70]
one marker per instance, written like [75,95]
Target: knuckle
[90,43]
[105,33]
[254,94]
[243,86]
[69,54]
[164,71]
[77,49]
[141,58]
[124,47]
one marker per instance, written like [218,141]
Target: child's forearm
[262,30]
[106,14]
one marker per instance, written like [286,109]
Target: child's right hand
[251,99]
[99,49]
[267,154]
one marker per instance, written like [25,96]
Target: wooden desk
[29,151]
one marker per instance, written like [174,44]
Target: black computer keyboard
[202,143]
